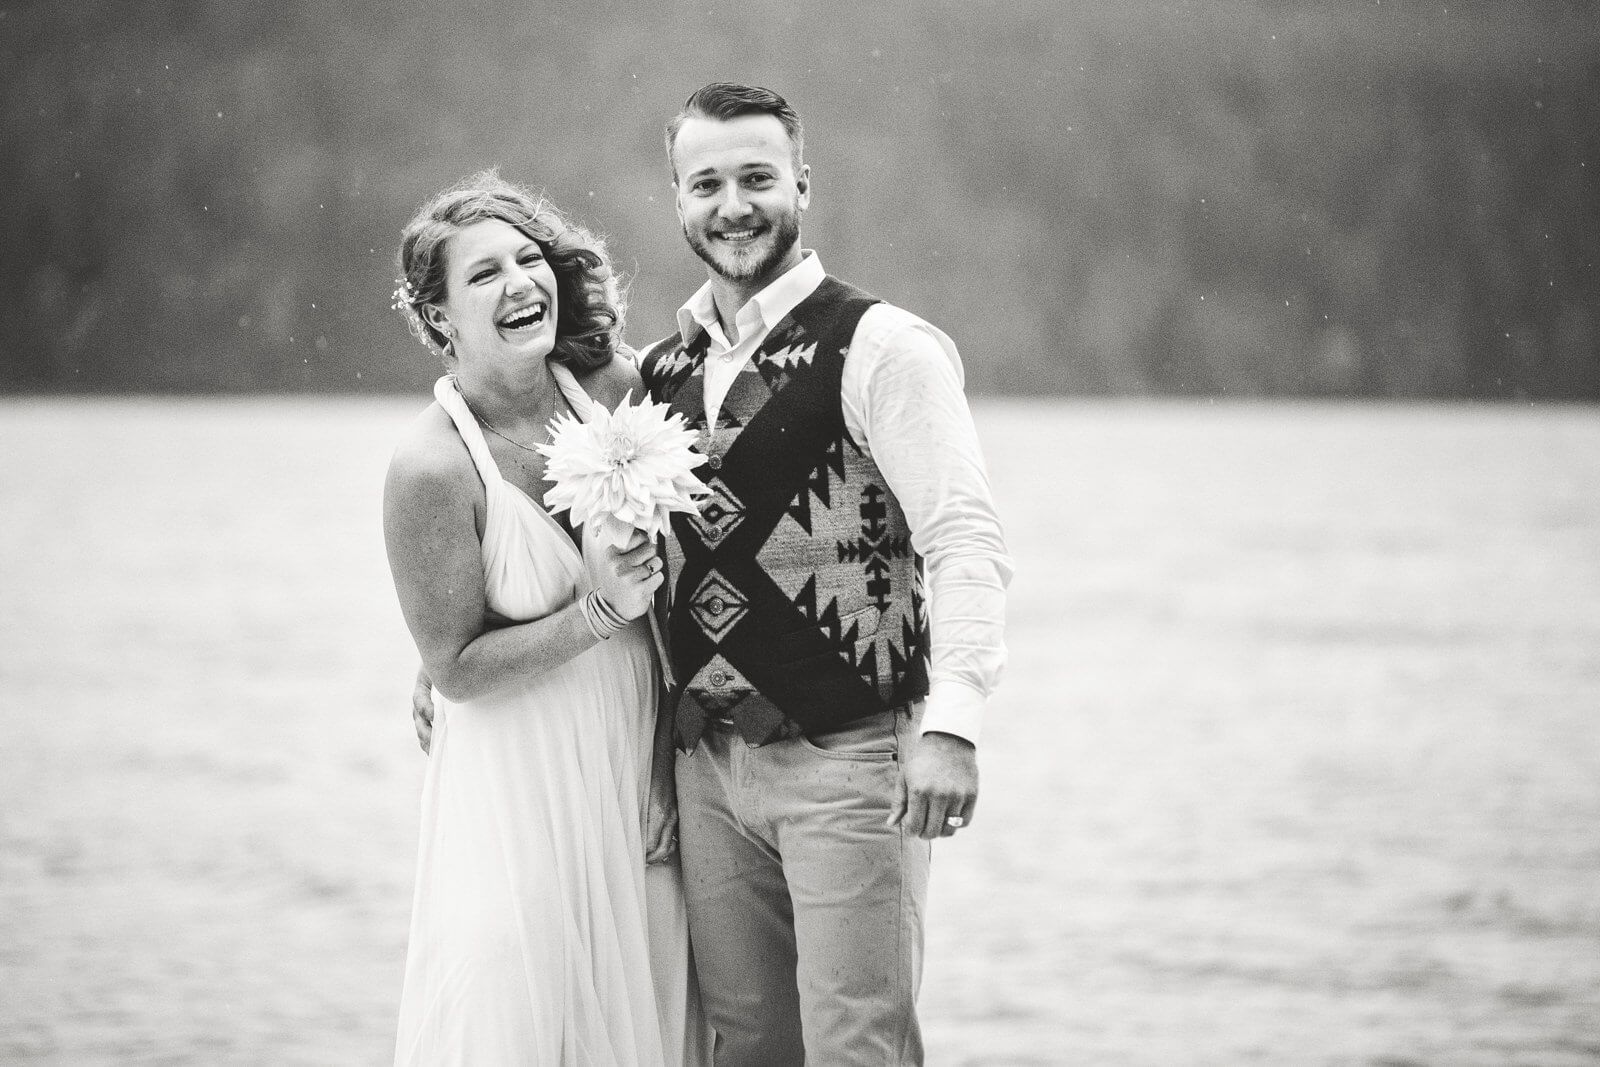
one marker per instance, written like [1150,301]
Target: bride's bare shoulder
[430,456]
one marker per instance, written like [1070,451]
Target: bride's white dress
[538,934]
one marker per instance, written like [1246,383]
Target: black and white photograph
[769,534]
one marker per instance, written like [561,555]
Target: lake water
[1297,760]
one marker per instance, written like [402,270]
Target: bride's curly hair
[590,303]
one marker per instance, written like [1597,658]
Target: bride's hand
[661,820]
[627,577]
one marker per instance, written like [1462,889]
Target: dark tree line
[1244,197]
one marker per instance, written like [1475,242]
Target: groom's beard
[753,261]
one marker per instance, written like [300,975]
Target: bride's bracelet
[602,618]
[607,612]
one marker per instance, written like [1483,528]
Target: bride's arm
[430,529]
[661,810]
[422,694]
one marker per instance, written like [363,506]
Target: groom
[824,739]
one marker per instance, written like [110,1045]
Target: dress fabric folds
[538,934]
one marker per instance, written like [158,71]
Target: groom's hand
[422,709]
[939,783]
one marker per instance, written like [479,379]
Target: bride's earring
[441,325]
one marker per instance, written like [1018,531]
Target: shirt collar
[781,296]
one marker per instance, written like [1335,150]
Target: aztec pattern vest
[797,600]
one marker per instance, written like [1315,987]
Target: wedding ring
[955,822]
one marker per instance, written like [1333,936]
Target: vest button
[713,533]
[718,678]
[714,461]
[715,605]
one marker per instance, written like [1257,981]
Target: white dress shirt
[904,406]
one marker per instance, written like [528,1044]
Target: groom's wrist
[954,707]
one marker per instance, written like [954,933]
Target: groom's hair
[729,100]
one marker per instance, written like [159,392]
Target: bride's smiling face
[500,294]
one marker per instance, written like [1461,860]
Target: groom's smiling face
[740,194]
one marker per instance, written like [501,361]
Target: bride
[548,923]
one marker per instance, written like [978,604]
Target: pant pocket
[870,739]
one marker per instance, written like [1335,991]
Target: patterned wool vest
[797,600]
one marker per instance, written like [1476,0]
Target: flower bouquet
[624,471]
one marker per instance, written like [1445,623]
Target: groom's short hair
[724,101]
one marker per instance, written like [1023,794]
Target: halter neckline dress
[538,934]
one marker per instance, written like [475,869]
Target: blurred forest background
[1240,197]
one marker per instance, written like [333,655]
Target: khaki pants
[805,910]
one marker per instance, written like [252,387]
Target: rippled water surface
[1297,760]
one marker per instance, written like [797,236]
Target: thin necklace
[487,425]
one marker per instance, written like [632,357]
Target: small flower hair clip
[405,295]
[405,300]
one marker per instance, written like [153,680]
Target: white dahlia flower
[624,470]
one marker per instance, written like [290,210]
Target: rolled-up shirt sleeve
[903,403]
